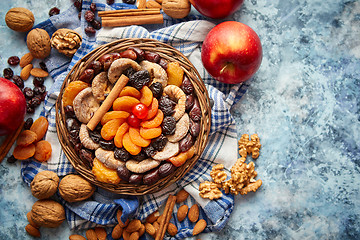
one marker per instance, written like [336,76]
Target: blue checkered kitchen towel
[185,35]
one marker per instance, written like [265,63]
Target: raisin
[129,1]
[18,81]
[54,11]
[159,142]
[150,151]
[29,109]
[89,16]
[187,86]
[129,71]
[8,73]
[69,111]
[186,143]
[139,79]
[11,159]
[43,66]
[168,125]
[139,53]
[156,89]
[35,101]
[110,1]
[72,124]
[39,90]
[28,93]
[28,123]
[95,136]
[96,24]
[139,157]
[166,105]
[90,30]
[14,60]
[107,145]
[78,5]
[123,173]
[152,57]
[93,7]
[121,154]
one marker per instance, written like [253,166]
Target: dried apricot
[72,90]
[175,74]
[120,133]
[146,96]
[131,147]
[25,138]
[42,151]
[104,174]
[125,103]
[150,133]
[113,115]
[135,137]
[108,131]
[130,91]
[152,109]
[181,158]
[155,122]
[23,153]
[40,127]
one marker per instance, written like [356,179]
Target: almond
[38,72]
[160,219]
[152,4]
[90,234]
[32,231]
[194,213]
[76,237]
[28,215]
[182,212]
[181,196]
[149,228]
[126,235]
[172,229]
[199,227]
[156,226]
[100,233]
[159,1]
[141,4]
[134,236]
[118,217]
[153,217]
[117,232]
[25,72]
[142,230]
[26,59]
[133,226]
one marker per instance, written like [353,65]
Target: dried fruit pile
[151,126]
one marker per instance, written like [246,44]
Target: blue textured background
[303,103]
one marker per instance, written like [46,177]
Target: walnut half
[66,41]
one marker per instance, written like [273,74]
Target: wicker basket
[167,52]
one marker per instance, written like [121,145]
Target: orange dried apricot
[72,90]
[113,115]
[125,103]
[131,147]
[155,122]
[42,151]
[120,133]
[181,158]
[130,91]
[175,74]
[108,131]
[150,133]
[134,134]
[104,174]
[146,96]
[40,127]
[23,153]
[152,109]
[26,137]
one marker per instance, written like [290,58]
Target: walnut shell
[38,43]
[19,19]
[66,41]
[176,8]
[47,213]
[74,188]
[44,184]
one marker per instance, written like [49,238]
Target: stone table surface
[304,104]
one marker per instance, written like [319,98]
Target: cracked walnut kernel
[66,41]
[209,190]
[247,146]
[217,174]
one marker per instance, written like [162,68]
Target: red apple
[231,52]
[216,8]
[12,107]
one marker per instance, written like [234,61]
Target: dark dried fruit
[115,55]
[78,147]
[89,16]
[69,111]
[90,30]
[94,135]
[135,178]
[72,124]
[86,156]
[35,101]
[93,7]
[156,89]
[168,125]
[110,1]
[28,123]
[129,54]
[187,86]
[87,76]
[186,143]
[151,177]
[96,66]
[141,156]
[152,57]
[39,90]
[107,145]
[28,93]
[43,66]
[195,112]
[14,60]
[123,173]
[18,81]
[129,1]
[106,61]
[189,103]
[159,142]
[74,137]
[129,71]
[150,151]
[8,73]
[11,159]
[78,4]
[29,109]
[121,154]
[194,128]
[139,79]
[166,105]
[139,53]
[38,81]
[166,169]
[163,63]
[96,24]
[54,11]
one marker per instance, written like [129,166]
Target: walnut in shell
[44,184]
[47,213]
[66,41]
[38,43]
[176,8]
[20,19]
[74,188]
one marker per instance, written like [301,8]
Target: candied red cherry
[14,60]
[140,110]
[133,121]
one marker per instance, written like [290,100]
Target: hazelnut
[44,184]
[19,19]
[38,43]
[74,188]
[66,41]
[47,213]
[176,8]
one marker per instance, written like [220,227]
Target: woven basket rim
[165,51]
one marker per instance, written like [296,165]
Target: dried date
[194,128]
[189,103]
[139,53]
[87,76]
[195,112]
[186,143]
[86,156]
[96,66]
[152,57]
[151,177]
[187,86]
[123,173]
[166,169]
[135,178]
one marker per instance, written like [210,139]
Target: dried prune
[18,81]
[139,79]
[13,60]
[129,71]
[150,151]
[28,123]
[93,7]
[28,93]
[107,145]
[166,169]
[168,125]
[194,128]
[86,156]
[87,76]
[123,173]
[159,142]
[72,124]
[69,111]
[38,81]
[157,89]
[166,105]
[94,135]
[89,16]
[151,177]
[152,57]
[96,66]
[96,24]
[121,154]
[139,53]
[189,103]
[195,112]
[135,178]
[139,157]
[186,143]
[54,11]
[187,86]
[8,73]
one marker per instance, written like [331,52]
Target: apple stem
[227,67]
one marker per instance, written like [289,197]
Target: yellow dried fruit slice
[125,103]
[136,138]
[72,90]
[104,174]
[175,74]
[146,96]
[108,131]
[118,139]
[131,147]
[113,115]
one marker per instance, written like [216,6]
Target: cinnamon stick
[165,220]
[9,141]
[106,105]
[128,12]
[132,20]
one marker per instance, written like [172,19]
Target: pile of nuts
[173,8]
